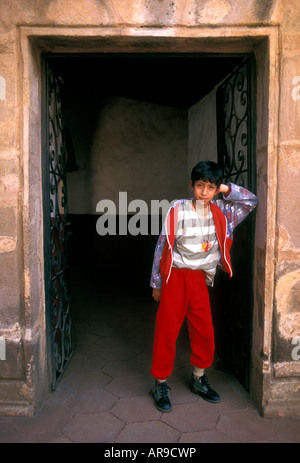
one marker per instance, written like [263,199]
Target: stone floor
[104,394]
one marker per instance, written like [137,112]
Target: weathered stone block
[289,114]
[12,366]
[8,221]
[9,180]
[7,134]
[288,15]
[287,316]
[12,401]
[288,202]
[9,289]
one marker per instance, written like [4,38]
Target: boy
[196,237]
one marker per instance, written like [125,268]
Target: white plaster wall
[203,131]
[137,147]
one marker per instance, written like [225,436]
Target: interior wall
[203,131]
[124,145]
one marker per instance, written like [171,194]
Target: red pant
[185,294]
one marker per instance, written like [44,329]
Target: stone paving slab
[149,432]
[93,428]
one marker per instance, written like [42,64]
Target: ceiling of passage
[166,79]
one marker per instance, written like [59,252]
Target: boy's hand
[223,189]
[156,294]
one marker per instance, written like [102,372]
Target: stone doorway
[34,42]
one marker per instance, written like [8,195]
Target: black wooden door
[56,228]
[236,155]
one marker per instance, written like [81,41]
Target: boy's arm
[156,281]
[236,204]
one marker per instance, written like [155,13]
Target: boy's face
[204,191]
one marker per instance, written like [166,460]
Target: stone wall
[270,29]
[284,396]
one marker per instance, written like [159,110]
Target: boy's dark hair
[208,171]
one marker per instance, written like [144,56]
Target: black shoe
[161,396]
[202,387]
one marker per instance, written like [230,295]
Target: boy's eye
[211,187]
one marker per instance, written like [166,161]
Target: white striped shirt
[196,246]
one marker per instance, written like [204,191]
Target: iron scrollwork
[62,346]
[234,134]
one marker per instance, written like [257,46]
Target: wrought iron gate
[236,155]
[56,229]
